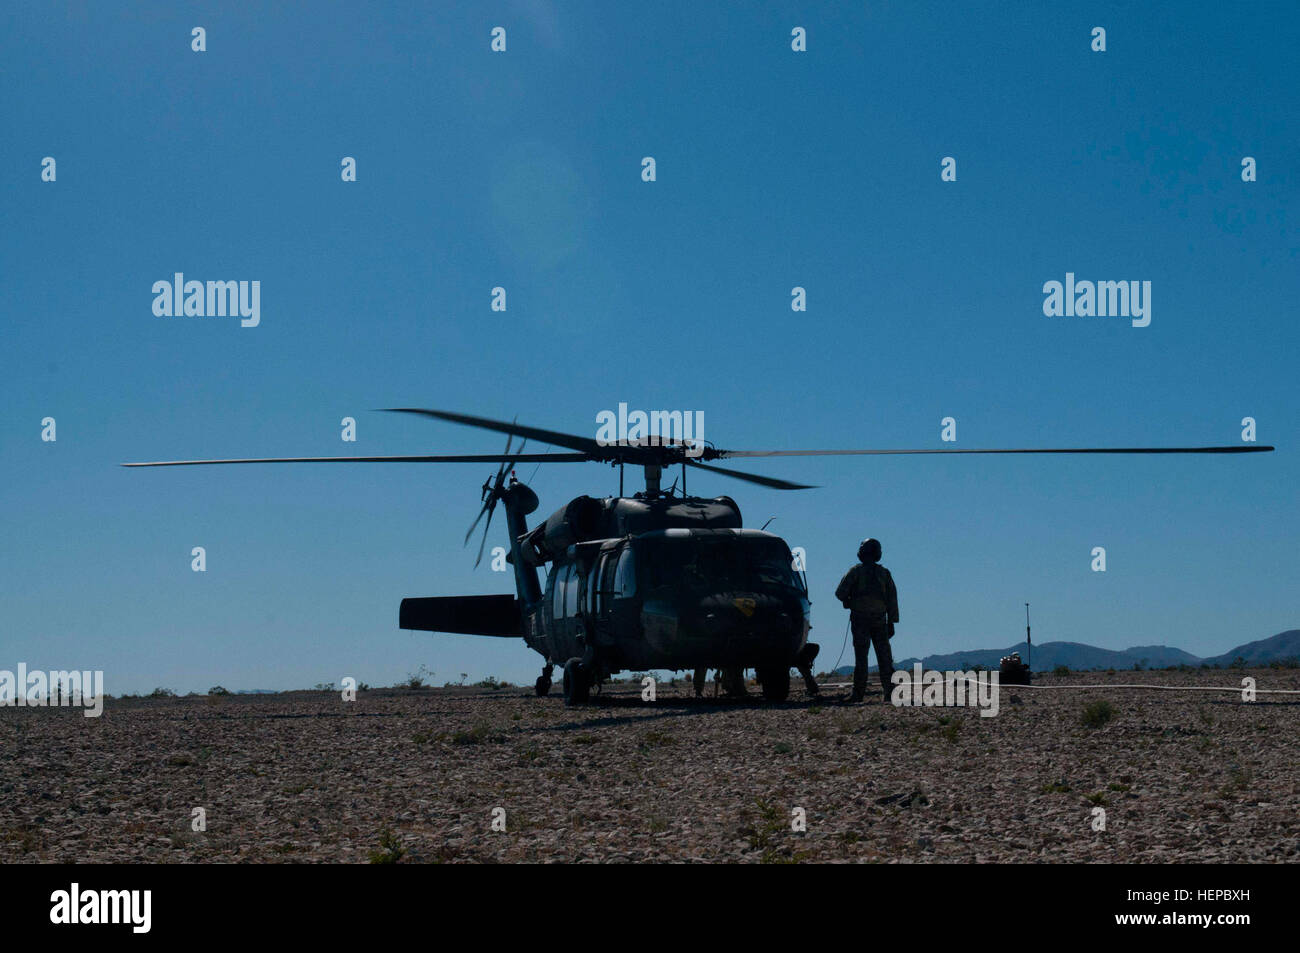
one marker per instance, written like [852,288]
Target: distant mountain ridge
[1284,645]
[1079,657]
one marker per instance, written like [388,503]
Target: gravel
[418,776]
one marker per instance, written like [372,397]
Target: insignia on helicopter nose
[745,605]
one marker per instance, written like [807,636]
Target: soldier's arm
[891,596]
[844,591]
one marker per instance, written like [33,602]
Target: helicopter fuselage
[678,598]
[649,582]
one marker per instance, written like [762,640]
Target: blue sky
[522,170]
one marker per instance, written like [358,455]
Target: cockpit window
[721,561]
[571,590]
[625,576]
[561,577]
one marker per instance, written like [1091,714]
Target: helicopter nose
[742,628]
[745,616]
[732,628]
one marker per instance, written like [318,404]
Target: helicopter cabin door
[600,592]
[567,622]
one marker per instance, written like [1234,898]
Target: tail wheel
[542,686]
[577,682]
[776,683]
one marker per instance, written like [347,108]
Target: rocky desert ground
[419,776]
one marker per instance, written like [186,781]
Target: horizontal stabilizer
[465,615]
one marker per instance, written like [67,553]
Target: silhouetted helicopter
[658,580]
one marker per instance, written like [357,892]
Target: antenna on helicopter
[1029,644]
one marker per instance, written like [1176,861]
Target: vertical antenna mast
[1029,644]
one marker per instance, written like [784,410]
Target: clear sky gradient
[522,170]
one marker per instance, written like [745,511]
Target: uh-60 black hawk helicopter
[655,581]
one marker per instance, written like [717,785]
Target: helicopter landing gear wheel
[577,682]
[776,683]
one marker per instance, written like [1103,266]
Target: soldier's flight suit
[867,591]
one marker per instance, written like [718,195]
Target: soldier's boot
[859,685]
[809,682]
[804,663]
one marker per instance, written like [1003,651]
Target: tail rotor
[492,488]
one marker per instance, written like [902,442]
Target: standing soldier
[867,591]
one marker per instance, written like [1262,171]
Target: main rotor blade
[424,458]
[724,454]
[572,441]
[771,482]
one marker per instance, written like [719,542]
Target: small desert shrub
[390,849]
[763,830]
[481,733]
[1098,713]
[416,679]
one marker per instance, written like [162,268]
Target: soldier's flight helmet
[869,551]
